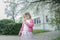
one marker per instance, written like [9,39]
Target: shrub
[9,27]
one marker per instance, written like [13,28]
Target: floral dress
[26,35]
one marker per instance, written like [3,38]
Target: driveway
[40,36]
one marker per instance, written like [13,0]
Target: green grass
[40,31]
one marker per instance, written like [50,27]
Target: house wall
[44,17]
[42,26]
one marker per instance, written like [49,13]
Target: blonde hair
[27,13]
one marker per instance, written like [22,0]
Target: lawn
[40,31]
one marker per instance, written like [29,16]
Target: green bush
[11,29]
[8,27]
[6,21]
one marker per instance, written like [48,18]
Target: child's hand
[25,18]
[20,34]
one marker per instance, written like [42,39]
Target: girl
[27,27]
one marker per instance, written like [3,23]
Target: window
[47,19]
[37,20]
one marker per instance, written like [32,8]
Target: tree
[20,21]
[30,6]
[11,8]
[57,16]
[56,1]
[55,19]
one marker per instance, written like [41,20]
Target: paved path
[41,36]
[47,36]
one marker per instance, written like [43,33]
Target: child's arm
[31,24]
[21,29]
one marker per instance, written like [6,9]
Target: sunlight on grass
[40,31]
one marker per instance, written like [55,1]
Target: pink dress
[26,35]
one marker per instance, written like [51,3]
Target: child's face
[26,17]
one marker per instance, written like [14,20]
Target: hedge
[10,28]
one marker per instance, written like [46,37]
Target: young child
[27,27]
